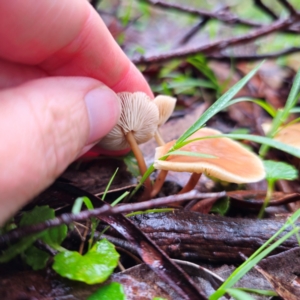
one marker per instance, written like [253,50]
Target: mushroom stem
[160,179]
[191,183]
[139,157]
[159,140]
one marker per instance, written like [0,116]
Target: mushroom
[289,135]
[232,162]
[137,124]
[165,105]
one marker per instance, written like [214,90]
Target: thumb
[44,126]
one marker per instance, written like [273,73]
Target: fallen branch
[254,57]
[106,209]
[288,6]
[193,236]
[218,45]
[265,9]
[222,16]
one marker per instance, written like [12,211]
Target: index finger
[66,38]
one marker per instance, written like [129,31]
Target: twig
[106,209]
[226,17]
[255,56]
[218,45]
[265,9]
[45,247]
[193,31]
[201,24]
[289,7]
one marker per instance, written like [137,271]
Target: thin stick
[163,173]
[140,159]
[84,237]
[160,179]
[67,218]
[221,44]
[191,183]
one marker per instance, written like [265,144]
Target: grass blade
[257,256]
[216,107]
[292,98]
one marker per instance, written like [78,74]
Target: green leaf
[258,292]
[149,171]
[150,211]
[112,291]
[93,267]
[292,98]
[19,247]
[109,184]
[53,236]
[279,170]
[78,204]
[37,215]
[239,295]
[36,258]
[215,108]
[221,206]
[295,110]
[266,106]
[199,61]
[159,298]
[189,153]
[265,141]
[119,199]
[131,164]
[276,122]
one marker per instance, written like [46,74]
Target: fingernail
[103,108]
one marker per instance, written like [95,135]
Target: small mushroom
[137,124]
[232,162]
[289,135]
[165,105]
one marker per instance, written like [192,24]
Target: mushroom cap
[289,135]
[166,105]
[233,162]
[139,114]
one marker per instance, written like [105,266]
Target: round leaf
[111,291]
[279,170]
[36,258]
[93,267]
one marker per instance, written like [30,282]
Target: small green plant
[53,237]
[111,291]
[257,256]
[95,266]
[276,171]
[282,115]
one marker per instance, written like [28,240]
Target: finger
[13,74]
[44,125]
[65,37]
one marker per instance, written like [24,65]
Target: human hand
[59,69]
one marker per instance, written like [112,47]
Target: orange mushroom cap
[289,135]
[233,162]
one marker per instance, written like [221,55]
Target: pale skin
[59,71]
